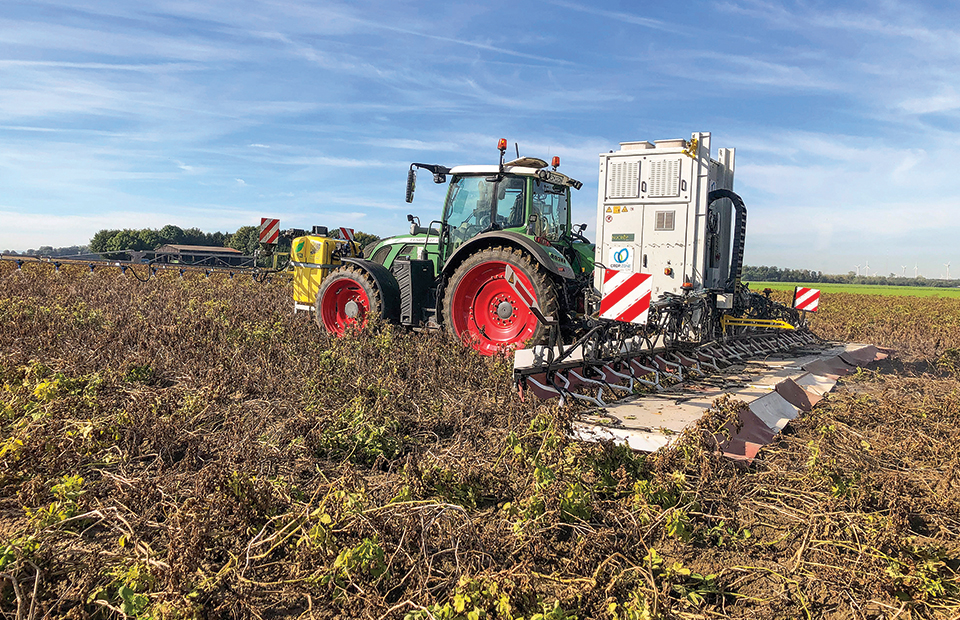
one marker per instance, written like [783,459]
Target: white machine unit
[654,216]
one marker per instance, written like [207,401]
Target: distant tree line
[246,239]
[46,250]
[775,274]
[106,241]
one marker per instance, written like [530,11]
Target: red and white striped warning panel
[807,299]
[626,296]
[269,230]
[346,234]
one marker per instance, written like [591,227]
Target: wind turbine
[916,271]
[903,271]
[866,269]
[858,271]
[947,265]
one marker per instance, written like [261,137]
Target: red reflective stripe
[269,230]
[807,299]
[637,309]
[616,295]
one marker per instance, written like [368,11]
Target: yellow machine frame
[313,257]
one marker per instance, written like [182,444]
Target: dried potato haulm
[188,448]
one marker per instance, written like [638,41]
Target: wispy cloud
[843,115]
[627,18]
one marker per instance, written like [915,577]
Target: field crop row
[187,448]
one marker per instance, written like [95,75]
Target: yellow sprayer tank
[313,257]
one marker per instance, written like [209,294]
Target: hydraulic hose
[739,235]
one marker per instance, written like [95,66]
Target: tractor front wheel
[482,309]
[345,299]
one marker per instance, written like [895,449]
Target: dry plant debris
[187,448]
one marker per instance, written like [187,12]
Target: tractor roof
[542,173]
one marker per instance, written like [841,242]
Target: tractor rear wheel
[347,297]
[483,310]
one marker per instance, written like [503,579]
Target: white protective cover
[652,213]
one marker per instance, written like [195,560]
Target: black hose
[739,235]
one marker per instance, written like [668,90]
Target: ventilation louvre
[623,179]
[665,220]
[664,178]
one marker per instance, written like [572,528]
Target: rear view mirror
[411,183]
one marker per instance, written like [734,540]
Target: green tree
[100,240]
[194,236]
[246,239]
[123,240]
[364,239]
[149,239]
[171,234]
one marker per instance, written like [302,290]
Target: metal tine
[640,370]
[760,346]
[707,360]
[725,352]
[579,379]
[580,376]
[613,379]
[665,365]
[543,391]
[691,364]
[717,354]
[763,347]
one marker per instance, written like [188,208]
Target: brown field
[186,448]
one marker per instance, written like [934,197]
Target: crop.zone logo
[621,258]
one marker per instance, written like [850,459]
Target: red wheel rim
[344,304]
[487,314]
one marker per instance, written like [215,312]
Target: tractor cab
[518,201]
[520,198]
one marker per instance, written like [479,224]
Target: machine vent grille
[623,179]
[665,220]
[664,178]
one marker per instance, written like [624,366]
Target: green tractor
[501,265]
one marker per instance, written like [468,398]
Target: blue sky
[118,114]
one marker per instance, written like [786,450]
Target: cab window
[468,207]
[511,203]
[549,205]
